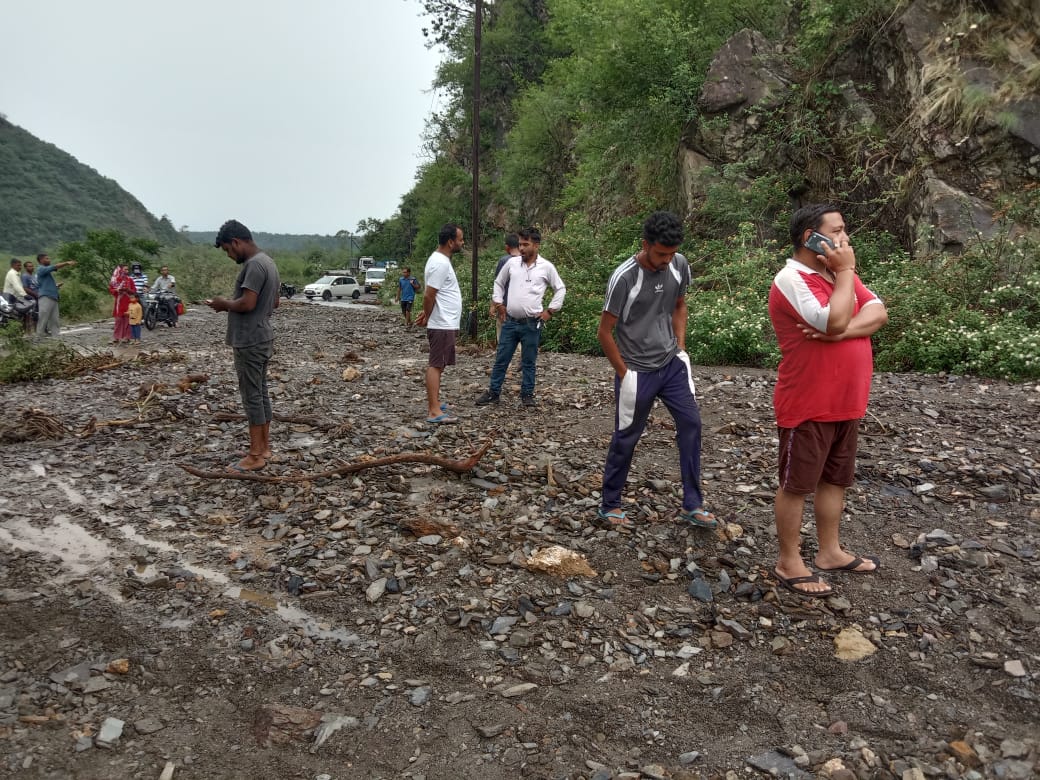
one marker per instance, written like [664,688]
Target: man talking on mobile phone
[824,317]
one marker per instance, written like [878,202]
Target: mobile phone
[815,242]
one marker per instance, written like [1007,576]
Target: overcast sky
[293,116]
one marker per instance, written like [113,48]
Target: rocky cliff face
[926,120]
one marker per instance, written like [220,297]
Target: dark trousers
[528,334]
[633,400]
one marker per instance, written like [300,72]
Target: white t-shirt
[447,308]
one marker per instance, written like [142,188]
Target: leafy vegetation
[584,107]
[22,360]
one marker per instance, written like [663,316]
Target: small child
[136,314]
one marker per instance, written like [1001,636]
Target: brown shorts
[816,452]
[442,347]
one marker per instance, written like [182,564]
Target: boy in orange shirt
[136,314]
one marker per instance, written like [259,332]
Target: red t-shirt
[826,381]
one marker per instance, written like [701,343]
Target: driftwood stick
[458,466]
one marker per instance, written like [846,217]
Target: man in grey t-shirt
[250,334]
[642,331]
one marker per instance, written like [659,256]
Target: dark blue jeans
[527,334]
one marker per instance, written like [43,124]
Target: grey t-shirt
[643,302]
[247,329]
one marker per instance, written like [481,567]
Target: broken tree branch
[457,466]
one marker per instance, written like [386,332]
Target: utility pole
[474,226]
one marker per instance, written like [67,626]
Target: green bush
[978,313]
[25,361]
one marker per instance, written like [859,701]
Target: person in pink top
[823,317]
[121,286]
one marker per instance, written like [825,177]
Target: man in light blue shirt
[49,324]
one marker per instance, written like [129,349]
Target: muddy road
[394,622]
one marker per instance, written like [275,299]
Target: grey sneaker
[487,398]
[528,400]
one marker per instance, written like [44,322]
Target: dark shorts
[816,452]
[406,306]
[442,347]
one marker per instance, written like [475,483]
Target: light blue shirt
[48,287]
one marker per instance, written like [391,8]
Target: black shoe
[528,400]
[487,398]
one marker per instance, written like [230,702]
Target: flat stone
[375,590]
[1015,668]
[502,624]
[96,684]
[700,590]
[148,725]
[110,732]
[1014,748]
[518,690]
[778,765]
[11,596]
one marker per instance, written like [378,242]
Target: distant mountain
[47,196]
[284,242]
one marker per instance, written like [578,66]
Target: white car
[329,287]
[374,278]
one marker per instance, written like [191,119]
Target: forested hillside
[287,242]
[47,197]
[919,119]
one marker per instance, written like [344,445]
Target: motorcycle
[14,309]
[288,290]
[160,307]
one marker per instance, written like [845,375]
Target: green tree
[97,256]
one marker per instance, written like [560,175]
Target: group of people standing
[823,317]
[127,285]
[37,283]
[821,312]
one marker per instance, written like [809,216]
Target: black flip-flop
[855,563]
[791,582]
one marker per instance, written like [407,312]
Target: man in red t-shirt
[823,316]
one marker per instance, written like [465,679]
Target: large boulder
[746,73]
[949,219]
[1025,121]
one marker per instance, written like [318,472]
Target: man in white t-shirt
[441,312]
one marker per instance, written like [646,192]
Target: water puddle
[81,553]
[74,496]
[84,554]
[294,616]
[201,572]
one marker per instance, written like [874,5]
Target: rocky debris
[559,562]
[111,731]
[851,645]
[411,597]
